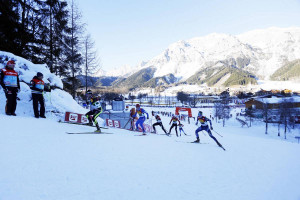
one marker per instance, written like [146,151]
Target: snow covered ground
[39,161]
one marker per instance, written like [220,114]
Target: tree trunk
[51,40]
[86,69]
[285,126]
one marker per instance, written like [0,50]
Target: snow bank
[57,102]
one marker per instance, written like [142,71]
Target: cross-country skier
[158,122]
[132,118]
[181,129]
[204,126]
[141,112]
[174,121]
[9,80]
[95,111]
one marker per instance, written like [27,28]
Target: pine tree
[73,55]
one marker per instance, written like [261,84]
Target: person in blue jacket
[204,127]
[141,112]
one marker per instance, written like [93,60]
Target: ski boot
[98,131]
[197,140]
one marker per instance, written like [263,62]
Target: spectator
[9,80]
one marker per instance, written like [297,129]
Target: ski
[163,134]
[190,142]
[82,124]
[96,133]
[198,142]
[141,135]
[207,143]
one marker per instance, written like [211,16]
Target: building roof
[274,100]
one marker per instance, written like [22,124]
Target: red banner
[113,123]
[76,118]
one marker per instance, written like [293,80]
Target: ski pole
[217,133]
[127,123]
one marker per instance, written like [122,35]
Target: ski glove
[211,128]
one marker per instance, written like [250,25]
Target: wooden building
[272,103]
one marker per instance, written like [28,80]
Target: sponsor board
[75,118]
[113,123]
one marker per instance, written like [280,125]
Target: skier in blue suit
[141,112]
[204,127]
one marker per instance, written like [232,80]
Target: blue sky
[131,31]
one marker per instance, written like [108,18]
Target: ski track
[39,161]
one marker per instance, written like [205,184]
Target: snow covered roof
[274,100]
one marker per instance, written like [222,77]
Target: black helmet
[39,74]
[200,113]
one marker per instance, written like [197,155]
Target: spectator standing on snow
[9,80]
[158,122]
[37,87]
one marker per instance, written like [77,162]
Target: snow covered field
[39,161]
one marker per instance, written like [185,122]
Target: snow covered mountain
[57,102]
[259,52]
[123,71]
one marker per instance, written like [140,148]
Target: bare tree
[225,110]
[266,113]
[140,97]
[286,112]
[193,101]
[132,98]
[90,58]
[150,101]
[159,99]
[168,101]
[217,110]
[250,114]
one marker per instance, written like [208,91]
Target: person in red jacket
[174,121]
[9,80]
[158,122]
[37,87]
